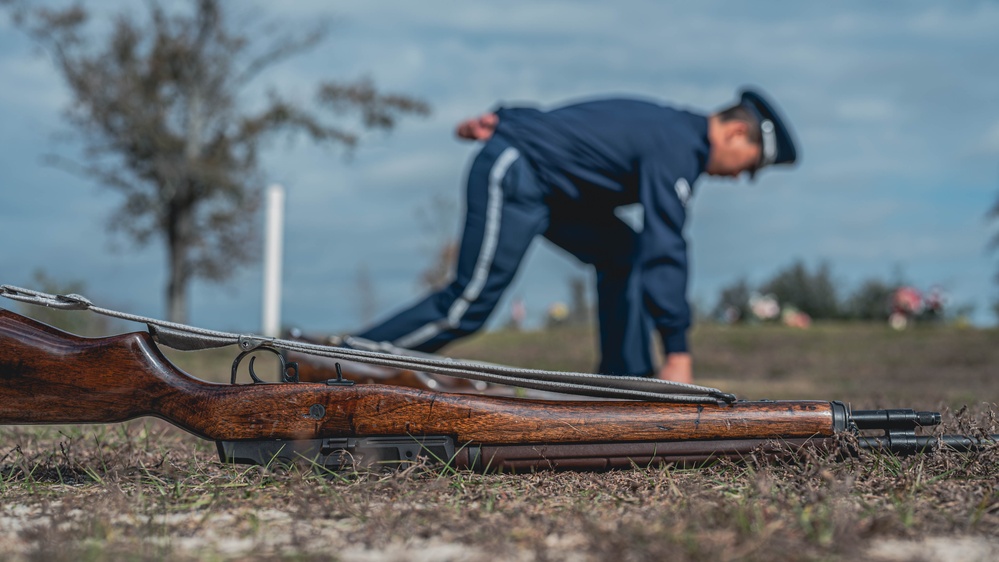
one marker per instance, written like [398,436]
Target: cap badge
[769,142]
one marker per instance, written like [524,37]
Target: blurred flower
[795,318]
[558,312]
[764,307]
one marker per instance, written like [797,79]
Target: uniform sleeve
[663,253]
[514,117]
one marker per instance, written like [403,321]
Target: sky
[894,105]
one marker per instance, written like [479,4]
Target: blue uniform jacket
[616,152]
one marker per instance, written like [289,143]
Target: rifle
[52,377]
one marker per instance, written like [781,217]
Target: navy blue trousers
[506,208]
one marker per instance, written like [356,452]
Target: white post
[273,232]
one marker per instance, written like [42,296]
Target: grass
[866,364]
[146,491]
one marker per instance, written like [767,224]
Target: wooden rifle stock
[51,377]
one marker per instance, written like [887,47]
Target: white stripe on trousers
[490,239]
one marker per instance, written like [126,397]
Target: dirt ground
[146,491]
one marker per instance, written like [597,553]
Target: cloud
[893,105]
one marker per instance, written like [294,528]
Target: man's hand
[479,128]
[678,368]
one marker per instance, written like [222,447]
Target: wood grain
[49,377]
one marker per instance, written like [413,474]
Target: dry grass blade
[145,491]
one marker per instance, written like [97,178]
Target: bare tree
[160,108]
[437,221]
[440,271]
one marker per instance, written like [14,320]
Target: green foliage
[871,301]
[733,302]
[817,293]
[813,293]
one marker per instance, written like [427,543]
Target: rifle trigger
[256,379]
[284,366]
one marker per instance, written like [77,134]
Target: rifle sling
[189,338]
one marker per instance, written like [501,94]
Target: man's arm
[664,264]
[479,128]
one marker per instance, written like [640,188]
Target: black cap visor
[777,144]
